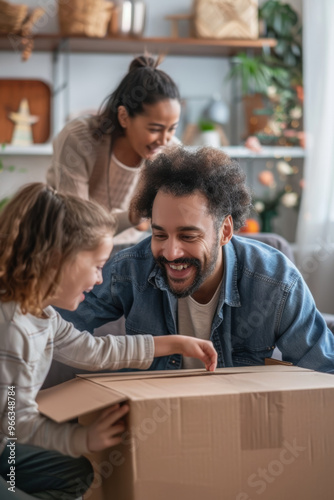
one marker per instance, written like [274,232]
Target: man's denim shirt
[264,302]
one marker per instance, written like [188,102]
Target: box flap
[93,392]
[236,381]
[74,398]
[101,377]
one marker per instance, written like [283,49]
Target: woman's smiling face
[150,131]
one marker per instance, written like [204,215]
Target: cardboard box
[237,434]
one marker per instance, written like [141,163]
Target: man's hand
[106,429]
[187,346]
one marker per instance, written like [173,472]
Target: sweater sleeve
[82,350]
[18,406]
[22,368]
[74,153]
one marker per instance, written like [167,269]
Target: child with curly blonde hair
[52,250]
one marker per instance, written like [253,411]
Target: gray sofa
[276,241]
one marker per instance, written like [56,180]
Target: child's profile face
[80,275]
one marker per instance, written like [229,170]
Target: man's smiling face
[186,245]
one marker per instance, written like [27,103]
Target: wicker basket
[226,18]
[11,17]
[84,17]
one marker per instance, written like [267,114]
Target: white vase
[210,138]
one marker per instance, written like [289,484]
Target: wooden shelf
[127,45]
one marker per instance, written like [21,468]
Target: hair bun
[145,61]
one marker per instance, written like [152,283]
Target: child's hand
[200,349]
[187,346]
[105,431]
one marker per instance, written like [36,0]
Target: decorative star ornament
[22,135]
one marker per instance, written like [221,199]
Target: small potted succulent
[208,134]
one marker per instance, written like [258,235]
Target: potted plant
[271,83]
[209,135]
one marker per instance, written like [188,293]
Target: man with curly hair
[194,277]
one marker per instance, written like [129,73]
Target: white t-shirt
[195,320]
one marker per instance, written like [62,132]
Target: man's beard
[202,272]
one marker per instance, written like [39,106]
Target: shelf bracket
[61,76]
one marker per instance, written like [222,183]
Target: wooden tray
[38,94]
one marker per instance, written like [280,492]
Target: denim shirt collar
[229,291]
[232,297]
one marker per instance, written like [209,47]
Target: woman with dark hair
[100,157]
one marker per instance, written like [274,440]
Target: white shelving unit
[233,151]
[266,152]
[33,150]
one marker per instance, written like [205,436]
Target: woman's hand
[106,429]
[187,346]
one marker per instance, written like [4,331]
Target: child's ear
[55,260]
[123,116]
[226,230]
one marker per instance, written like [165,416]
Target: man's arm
[306,340]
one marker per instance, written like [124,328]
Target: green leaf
[3,203]
[281,47]
[205,126]
[290,59]
[296,49]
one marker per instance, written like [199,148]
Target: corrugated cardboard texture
[191,449]
[241,435]
[261,420]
